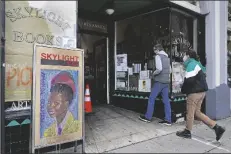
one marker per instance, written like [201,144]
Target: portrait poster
[57,96]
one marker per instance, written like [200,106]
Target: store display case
[135,38]
[229,68]
[229,57]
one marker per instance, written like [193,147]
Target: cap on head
[64,78]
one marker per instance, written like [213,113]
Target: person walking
[194,87]
[161,76]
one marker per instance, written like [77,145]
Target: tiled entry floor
[109,128]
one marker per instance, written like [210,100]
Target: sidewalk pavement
[114,130]
[203,141]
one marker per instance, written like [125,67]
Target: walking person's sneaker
[185,134]
[164,122]
[219,131]
[143,118]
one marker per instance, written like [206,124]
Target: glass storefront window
[135,38]
[182,40]
[229,44]
[194,2]
[229,57]
[229,11]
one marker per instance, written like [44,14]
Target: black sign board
[92,25]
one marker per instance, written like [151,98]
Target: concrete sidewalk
[110,128]
[114,130]
[203,141]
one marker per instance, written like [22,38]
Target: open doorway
[95,61]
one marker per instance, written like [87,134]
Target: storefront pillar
[218,95]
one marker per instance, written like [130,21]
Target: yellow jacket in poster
[70,126]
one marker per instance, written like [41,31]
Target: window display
[229,58]
[135,38]
[182,37]
[229,68]
[229,45]
[229,11]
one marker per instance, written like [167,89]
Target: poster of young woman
[57,96]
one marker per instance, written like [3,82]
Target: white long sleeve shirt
[159,63]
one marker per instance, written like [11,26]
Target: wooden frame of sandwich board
[59,64]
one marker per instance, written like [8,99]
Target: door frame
[108,82]
[106,36]
[107,65]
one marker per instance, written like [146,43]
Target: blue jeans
[156,89]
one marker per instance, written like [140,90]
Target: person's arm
[190,76]
[191,73]
[158,65]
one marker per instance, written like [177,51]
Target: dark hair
[158,46]
[192,54]
[64,89]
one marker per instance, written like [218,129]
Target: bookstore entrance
[95,61]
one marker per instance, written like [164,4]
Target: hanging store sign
[27,23]
[92,25]
[57,96]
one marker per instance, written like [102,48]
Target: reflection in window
[194,2]
[135,38]
[182,38]
[229,57]
[229,11]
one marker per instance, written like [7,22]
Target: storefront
[177,30]
[201,26]
[118,54]
[131,35]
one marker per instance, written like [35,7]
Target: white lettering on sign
[29,12]
[19,105]
[92,25]
[37,38]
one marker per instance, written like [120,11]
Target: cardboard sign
[57,96]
